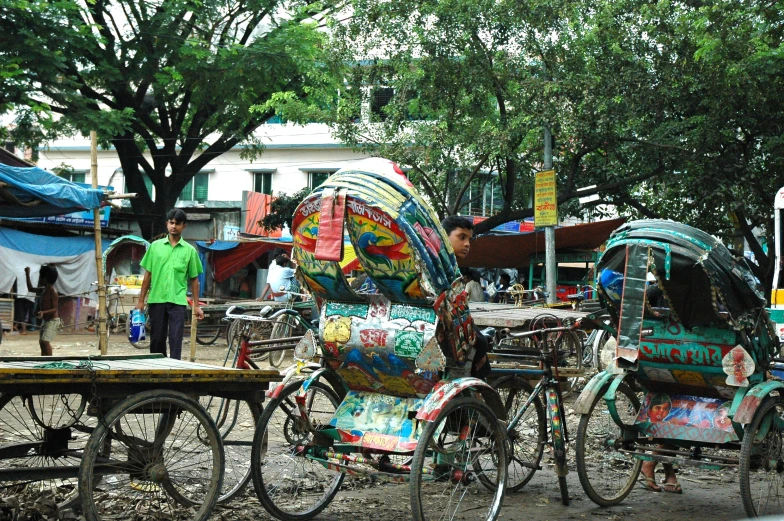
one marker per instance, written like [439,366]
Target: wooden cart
[122,434]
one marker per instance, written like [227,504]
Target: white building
[294,157]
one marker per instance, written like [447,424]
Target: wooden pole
[102,338]
[194,325]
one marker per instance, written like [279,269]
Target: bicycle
[116,320]
[282,324]
[526,407]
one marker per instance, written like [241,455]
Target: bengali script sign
[545,199]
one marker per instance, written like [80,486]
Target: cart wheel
[284,327]
[236,422]
[465,442]
[56,411]
[141,344]
[166,453]
[606,474]
[292,487]
[762,461]
[41,437]
[526,441]
[207,334]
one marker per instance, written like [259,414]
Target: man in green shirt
[170,263]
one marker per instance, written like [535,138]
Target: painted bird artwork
[307,243]
[381,254]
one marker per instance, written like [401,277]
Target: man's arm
[195,287]
[143,291]
[48,314]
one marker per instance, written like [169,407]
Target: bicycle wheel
[207,334]
[465,442]
[290,486]
[166,454]
[285,326]
[525,442]
[236,422]
[41,439]
[762,460]
[140,344]
[606,474]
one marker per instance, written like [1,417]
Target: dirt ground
[707,495]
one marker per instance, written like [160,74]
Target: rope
[83,364]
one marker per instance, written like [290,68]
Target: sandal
[672,488]
[649,484]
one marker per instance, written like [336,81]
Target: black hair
[452,222]
[49,274]
[176,214]
[282,260]
[507,276]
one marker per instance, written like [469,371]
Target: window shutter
[201,185]
[187,192]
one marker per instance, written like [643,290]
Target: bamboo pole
[102,338]
[194,325]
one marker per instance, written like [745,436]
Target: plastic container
[137,332]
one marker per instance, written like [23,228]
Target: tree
[475,82]
[667,109]
[282,210]
[170,84]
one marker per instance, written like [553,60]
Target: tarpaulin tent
[229,257]
[74,258]
[34,192]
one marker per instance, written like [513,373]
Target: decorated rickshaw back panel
[382,347]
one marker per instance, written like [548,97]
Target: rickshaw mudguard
[583,403]
[443,393]
[753,399]
[335,381]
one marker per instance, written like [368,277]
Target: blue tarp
[56,195]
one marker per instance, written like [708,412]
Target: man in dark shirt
[460,231]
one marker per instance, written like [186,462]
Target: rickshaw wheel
[290,486]
[236,421]
[462,446]
[606,474]
[166,453]
[525,443]
[762,461]
[42,423]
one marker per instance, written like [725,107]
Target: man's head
[283,260]
[460,232]
[175,222]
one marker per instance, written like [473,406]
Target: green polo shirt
[170,270]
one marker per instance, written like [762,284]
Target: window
[316,178]
[262,182]
[147,185]
[72,175]
[381,98]
[196,189]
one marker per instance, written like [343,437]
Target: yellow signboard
[545,199]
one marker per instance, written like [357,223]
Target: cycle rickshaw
[390,403]
[687,377]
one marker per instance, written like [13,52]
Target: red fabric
[351,266]
[226,263]
[329,244]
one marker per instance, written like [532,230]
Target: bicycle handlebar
[254,318]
